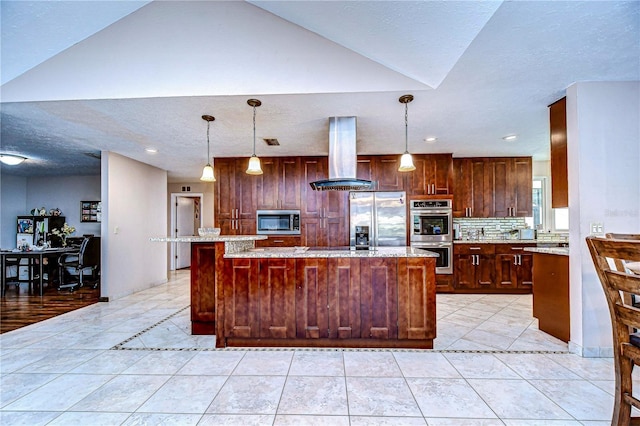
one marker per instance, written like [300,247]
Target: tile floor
[133,362]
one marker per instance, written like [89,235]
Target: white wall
[13,202]
[65,193]
[603,138]
[134,209]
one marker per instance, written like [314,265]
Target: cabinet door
[558,130]
[336,231]
[506,267]
[364,168]
[225,196]
[344,288]
[481,188]
[267,184]
[245,187]
[312,169]
[433,175]
[385,172]
[462,193]
[312,232]
[312,314]
[525,271]
[502,187]
[277,298]
[379,298]
[241,306]
[416,292]
[523,182]
[443,173]
[464,271]
[280,241]
[289,183]
[485,271]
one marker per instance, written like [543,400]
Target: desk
[33,256]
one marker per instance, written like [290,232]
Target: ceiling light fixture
[254,162]
[207,171]
[406,161]
[151,150]
[11,160]
[510,138]
[430,140]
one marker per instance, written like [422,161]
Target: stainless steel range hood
[343,158]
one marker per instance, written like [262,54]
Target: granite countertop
[219,238]
[305,252]
[562,251]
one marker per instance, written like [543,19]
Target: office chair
[74,266]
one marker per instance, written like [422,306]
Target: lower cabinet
[280,241]
[492,268]
[474,266]
[344,302]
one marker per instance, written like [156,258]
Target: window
[538,203]
[561,219]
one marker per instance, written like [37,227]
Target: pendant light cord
[406,127]
[254,131]
[208,154]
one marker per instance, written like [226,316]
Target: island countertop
[328,252]
[218,239]
[562,251]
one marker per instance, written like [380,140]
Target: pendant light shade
[254,162]
[11,160]
[207,171]
[406,161]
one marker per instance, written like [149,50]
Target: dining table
[35,260]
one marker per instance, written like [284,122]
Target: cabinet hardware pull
[515,259]
[433,189]
[474,248]
[517,248]
[278,241]
[520,259]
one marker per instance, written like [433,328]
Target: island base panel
[325,343]
[202,328]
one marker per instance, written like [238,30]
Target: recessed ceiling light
[510,137]
[151,150]
[430,139]
[11,160]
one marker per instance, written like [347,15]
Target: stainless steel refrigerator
[385,215]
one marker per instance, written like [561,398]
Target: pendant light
[254,162]
[406,162]
[207,171]
[11,160]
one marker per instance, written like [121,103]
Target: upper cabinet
[559,177]
[492,187]
[235,198]
[278,187]
[433,174]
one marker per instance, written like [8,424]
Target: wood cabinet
[513,266]
[415,320]
[474,266]
[280,241]
[493,187]
[492,268]
[235,197]
[433,175]
[276,294]
[335,302]
[324,214]
[559,174]
[379,298]
[551,304]
[208,257]
[278,187]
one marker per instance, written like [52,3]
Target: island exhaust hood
[343,158]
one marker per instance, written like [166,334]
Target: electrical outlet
[597,228]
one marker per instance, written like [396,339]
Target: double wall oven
[432,229]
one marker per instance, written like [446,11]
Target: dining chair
[619,285]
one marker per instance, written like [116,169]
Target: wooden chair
[618,283]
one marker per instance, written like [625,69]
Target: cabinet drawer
[280,241]
[512,248]
[473,248]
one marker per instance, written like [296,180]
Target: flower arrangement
[64,232]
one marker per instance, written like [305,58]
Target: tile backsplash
[495,227]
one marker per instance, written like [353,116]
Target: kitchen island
[206,270]
[327,297]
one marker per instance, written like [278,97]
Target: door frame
[173,250]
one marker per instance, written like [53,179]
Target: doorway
[186,218]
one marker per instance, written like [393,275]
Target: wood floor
[18,308]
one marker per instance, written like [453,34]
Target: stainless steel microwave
[278,222]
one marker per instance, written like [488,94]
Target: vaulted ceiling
[80,77]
